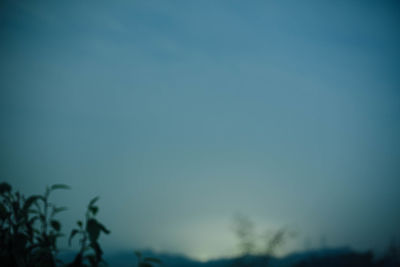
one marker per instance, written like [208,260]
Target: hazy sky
[181,113]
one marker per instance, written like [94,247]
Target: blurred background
[180,114]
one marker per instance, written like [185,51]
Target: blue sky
[180,114]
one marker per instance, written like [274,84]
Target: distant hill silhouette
[324,257]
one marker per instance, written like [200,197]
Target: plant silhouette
[29,230]
[244,230]
[89,232]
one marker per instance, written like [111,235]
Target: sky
[180,114]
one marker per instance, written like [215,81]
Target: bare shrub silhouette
[146,261]
[244,230]
[248,243]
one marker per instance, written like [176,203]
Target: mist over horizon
[181,114]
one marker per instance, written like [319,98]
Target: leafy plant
[89,232]
[28,230]
[16,230]
[50,228]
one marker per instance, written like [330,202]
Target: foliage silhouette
[90,250]
[244,230]
[29,230]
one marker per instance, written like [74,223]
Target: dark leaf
[15,206]
[103,228]
[94,200]
[93,228]
[57,210]
[59,186]
[56,225]
[5,187]
[3,212]
[94,209]
[33,211]
[47,193]
[79,223]
[32,220]
[30,201]
[38,208]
